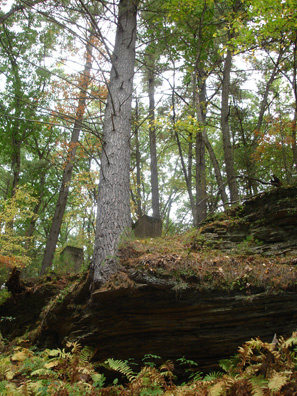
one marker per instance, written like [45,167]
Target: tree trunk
[113,215]
[199,104]
[152,134]
[187,171]
[216,167]
[228,154]
[138,168]
[52,239]
[294,125]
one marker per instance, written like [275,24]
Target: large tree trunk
[228,153]
[113,216]
[52,239]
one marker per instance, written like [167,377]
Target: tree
[68,168]
[113,211]
[195,30]
[150,71]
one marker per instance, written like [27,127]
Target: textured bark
[199,104]
[228,154]
[294,128]
[52,239]
[216,167]
[17,136]
[113,216]
[138,159]
[152,133]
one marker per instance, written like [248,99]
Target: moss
[4,295]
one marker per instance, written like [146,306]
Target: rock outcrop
[161,313]
[265,224]
[127,323]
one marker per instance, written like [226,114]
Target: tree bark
[199,104]
[152,134]
[52,239]
[113,215]
[138,159]
[216,168]
[294,125]
[228,154]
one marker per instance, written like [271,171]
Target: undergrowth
[258,369]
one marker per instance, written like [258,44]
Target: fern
[31,388]
[45,372]
[258,386]
[11,389]
[218,389]
[228,365]
[278,380]
[75,346]
[85,354]
[213,376]
[290,341]
[3,387]
[4,365]
[166,369]
[52,352]
[121,367]
[98,380]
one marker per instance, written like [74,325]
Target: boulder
[148,227]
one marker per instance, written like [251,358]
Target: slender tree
[151,66]
[52,238]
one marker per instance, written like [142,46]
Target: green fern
[228,365]
[258,386]
[98,380]
[3,387]
[45,372]
[213,376]
[121,367]
[85,354]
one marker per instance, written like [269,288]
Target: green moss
[4,295]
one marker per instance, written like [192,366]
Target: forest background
[214,113]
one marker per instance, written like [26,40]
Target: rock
[266,223]
[170,316]
[148,227]
[128,323]
[71,259]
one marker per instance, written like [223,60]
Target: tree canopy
[200,117]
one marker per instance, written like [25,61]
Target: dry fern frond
[278,380]
[218,389]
